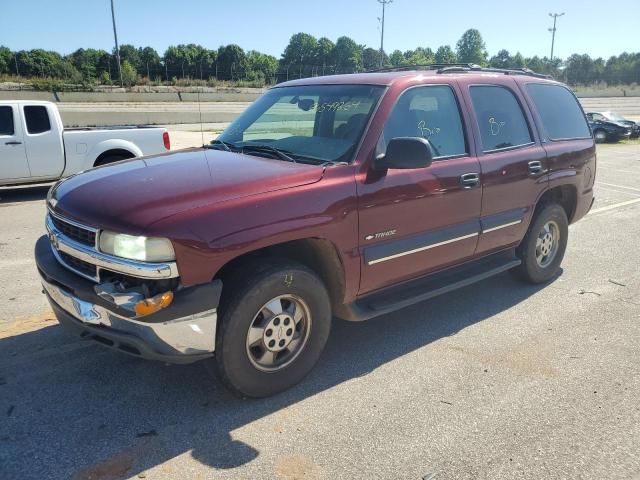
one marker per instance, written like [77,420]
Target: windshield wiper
[281,154]
[225,145]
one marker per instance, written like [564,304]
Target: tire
[241,360]
[111,159]
[536,267]
[600,136]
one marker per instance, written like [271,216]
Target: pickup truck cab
[35,148]
[348,196]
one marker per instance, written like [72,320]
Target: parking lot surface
[499,380]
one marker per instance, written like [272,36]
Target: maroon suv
[351,196]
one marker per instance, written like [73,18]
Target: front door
[13,156]
[420,220]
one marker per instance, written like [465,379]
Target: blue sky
[589,26]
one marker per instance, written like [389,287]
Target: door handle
[13,143]
[535,167]
[470,180]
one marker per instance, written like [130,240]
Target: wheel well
[120,153]
[317,254]
[565,195]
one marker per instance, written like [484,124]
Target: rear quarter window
[6,120]
[561,115]
[37,119]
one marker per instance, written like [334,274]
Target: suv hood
[130,195]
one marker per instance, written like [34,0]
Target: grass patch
[630,141]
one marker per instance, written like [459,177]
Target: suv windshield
[311,123]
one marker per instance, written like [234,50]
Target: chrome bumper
[173,341]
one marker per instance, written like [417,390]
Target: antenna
[200,113]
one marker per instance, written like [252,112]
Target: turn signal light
[153,304]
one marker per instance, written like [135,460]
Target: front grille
[79,265]
[74,232]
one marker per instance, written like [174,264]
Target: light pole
[115,36]
[384,4]
[553,30]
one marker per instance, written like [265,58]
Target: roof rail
[425,66]
[462,68]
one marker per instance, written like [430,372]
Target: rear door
[13,157]
[512,161]
[416,221]
[43,139]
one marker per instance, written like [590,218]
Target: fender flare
[112,144]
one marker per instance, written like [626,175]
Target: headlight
[147,249]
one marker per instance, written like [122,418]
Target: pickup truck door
[13,157]
[416,221]
[43,140]
[512,161]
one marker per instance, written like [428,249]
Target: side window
[500,118]
[429,112]
[37,119]
[559,111]
[6,121]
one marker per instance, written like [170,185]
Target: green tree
[471,48]
[502,59]
[129,53]
[261,66]
[348,55]
[90,62]
[445,54]
[371,59]
[5,60]
[396,58]
[232,62]
[419,56]
[301,53]
[325,54]
[149,60]
[129,74]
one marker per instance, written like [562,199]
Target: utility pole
[384,4]
[115,36]
[553,30]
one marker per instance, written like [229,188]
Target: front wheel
[600,136]
[543,247]
[273,328]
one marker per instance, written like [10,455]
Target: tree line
[304,56]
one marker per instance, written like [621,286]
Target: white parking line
[609,189]
[614,206]
[618,186]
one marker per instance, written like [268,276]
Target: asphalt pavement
[499,380]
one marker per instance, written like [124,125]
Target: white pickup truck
[35,147]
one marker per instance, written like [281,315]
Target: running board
[424,288]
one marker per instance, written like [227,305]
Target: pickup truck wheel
[600,136]
[111,159]
[542,249]
[272,330]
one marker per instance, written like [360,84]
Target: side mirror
[405,153]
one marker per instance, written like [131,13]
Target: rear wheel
[273,327]
[542,249]
[600,136]
[107,159]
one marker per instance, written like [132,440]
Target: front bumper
[184,332]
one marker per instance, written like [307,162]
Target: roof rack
[461,68]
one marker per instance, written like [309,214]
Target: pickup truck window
[429,112]
[559,111]
[500,118]
[312,123]
[6,121]
[37,119]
